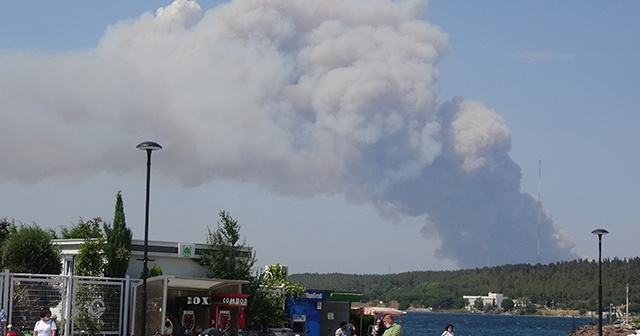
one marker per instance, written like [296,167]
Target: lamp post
[600,233]
[148,146]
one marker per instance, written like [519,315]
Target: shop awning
[202,284]
[381,311]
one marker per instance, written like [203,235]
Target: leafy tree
[118,243]
[29,249]
[276,276]
[155,271]
[529,309]
[478,304]
[507,304]
[460,303]
[90,258]
[4,228]
[265,307]
[102,254]
[404,304]
[226,258]
[273,290]
[89,261]
[634,308]
[83,230]
[5,224]
[569,284]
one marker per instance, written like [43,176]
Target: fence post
[5,292]
[127,303]
[69,307]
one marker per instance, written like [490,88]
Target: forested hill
[569,284]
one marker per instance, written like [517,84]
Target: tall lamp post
[600,233]
[148,146]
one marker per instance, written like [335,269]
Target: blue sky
[563,76]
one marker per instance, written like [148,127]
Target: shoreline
[607,330]
[548,313]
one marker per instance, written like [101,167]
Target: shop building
[189,297]
[320,312]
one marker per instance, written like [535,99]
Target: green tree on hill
[570,285]
[507,304]
[478,304]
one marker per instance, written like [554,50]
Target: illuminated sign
[299,318]
[314,295]
[198,300]
[231,299]
[186,250]
[235,301]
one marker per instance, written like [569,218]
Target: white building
[493,299]
[173,258]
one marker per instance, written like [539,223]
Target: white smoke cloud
[306,98]
[478,133]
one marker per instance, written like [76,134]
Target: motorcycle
[23,331]
[11,332]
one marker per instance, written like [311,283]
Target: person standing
[351,329]
[448,330]
[188,328]
[342,331]
[378,328]
[45,326]
[393,329]
[3,320]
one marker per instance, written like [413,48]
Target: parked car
[211,332]
[281,331]
[248,332]
[241,332]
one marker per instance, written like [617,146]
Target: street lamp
[600,233]
[148,146]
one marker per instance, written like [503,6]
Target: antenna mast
[539,203]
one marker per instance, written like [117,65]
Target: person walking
[392,328]
[448,330]
[45,326]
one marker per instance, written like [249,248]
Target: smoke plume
[304,97]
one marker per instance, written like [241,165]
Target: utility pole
[626,319]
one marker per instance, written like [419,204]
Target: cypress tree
[118,247]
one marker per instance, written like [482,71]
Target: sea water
[432,324]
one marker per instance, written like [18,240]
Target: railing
[80,305]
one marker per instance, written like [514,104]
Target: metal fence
[80,305]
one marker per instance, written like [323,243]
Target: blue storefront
[320,312]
